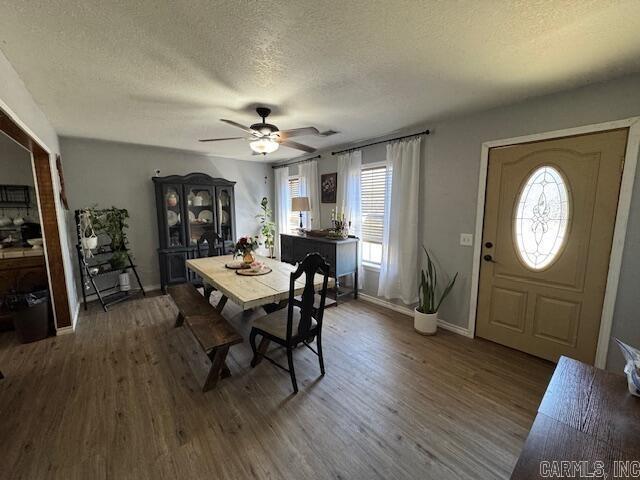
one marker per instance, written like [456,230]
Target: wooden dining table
[250,291]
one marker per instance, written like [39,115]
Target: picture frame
[63,191]
[328,187]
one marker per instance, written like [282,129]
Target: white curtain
[282,205]
[348,197]
[400,246]
[310,187]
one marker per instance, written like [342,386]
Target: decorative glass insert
[542,218]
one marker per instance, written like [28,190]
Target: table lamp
[300,204]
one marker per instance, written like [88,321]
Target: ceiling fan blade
[236,124]
[297,146]
[219,139]
[297,132]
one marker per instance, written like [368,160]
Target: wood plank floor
[121,399]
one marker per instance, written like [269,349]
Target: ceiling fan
[266,138]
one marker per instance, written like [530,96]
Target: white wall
[18,103]
[450,170]
[119,174]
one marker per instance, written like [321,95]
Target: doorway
[46,196]
[549,220]
[23,274]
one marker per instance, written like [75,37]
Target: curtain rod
[282,165]
[426,132]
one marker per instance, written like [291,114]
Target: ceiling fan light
[264,146]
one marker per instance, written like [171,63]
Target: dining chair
[213,242]
[299,323]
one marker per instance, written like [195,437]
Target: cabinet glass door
[225,215]
[201,211]
[172,195]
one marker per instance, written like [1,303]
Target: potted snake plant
[425,316]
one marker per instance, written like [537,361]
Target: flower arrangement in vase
[245,246]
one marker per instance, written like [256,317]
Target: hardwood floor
[121,399]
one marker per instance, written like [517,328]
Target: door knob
[488,245]
[489,258]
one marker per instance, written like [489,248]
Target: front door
[549,217]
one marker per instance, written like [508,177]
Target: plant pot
[425,323]
[125,283]
[89,243]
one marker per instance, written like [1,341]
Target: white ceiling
[164,73]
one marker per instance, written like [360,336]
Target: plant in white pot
[425,315]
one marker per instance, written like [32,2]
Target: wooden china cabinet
[188,206]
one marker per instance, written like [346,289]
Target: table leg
[221,303]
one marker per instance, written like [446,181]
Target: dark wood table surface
[586,415]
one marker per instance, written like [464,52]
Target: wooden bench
[212,331]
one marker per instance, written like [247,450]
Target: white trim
[372,267]
[620,229]
[409,312]
[64,330]
[76,314]
[369,165]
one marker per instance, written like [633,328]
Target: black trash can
[31,315]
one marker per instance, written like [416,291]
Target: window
[294,191]
[541,218]
[373,184]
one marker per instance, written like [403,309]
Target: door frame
[51,218]
[620,228]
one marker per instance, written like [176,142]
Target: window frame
[290,226]
[366,166]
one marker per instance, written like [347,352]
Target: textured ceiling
[163,73]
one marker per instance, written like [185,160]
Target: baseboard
[408,311]
[64,330]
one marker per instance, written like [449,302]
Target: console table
[342,256]
[586,417]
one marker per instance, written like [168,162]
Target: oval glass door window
[542,218]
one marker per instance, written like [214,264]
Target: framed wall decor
[328,186]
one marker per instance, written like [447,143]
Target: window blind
[294,191]
[373,186]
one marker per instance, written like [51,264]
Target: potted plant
[113,222]
[245,246]
[425,316]
[267,226]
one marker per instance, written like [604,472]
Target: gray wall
[119,174]
[450,170]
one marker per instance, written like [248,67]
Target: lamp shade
[300,204]
[264,146]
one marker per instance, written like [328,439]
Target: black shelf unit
[187,206]
[100,260]
[15,195]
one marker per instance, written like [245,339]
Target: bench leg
[221,303]
[225,371]
[217,358]
[179,320]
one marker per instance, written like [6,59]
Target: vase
[425,323]
[248,258]
[125,283]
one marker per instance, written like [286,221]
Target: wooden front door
[549,217]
